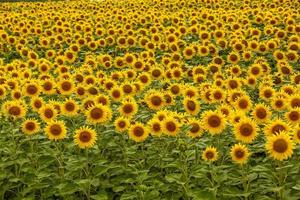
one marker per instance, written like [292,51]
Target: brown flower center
[214,121]
[14,110]
[30,126]
[138,131]
[280,145]
[96,113]
[246,129]
[55,129]
[85,136]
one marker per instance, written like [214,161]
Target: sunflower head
[85,137]
[56,130]
[280,146]
[30,126]
[138,132]
[239,153]
[210,154]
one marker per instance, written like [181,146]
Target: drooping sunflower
[85,137]
[56,130]
[280,146]
[30,126]
[239,153]
[138,132]
[210,154]
[245,130]
[214,122]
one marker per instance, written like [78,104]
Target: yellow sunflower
[30,126]
[214,122]
[239,153]
[245,130]
[56,130]
[210,154]
[85,137]
[121,124]
[280,146]
[138,132]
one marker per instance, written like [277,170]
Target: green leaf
[100,196]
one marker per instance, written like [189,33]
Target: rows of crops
[143,99]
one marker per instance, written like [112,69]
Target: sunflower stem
[281,180]
[245,181]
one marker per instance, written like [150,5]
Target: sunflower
[56,130]
[85,137]
[98,114]
[217,94]
[47,112]
[233,57]
[214,122]
[293,116]
[225,109]
[70,107]
[155,127]
[170,126]
[65,87]
[48,87]
[275,126]
[191,106]
[116,93]
[245,130]
[196,129]
[210,154]
[294,101]
[31,89]
[239,153]
[154,100]
[36,103]
[128,108]
[297,134]
[2,92]
[30,126]
[188,53]
[121,124]
[16,109]
[243,103]
[138,132]
[261,113]
[278,103]
[280,146]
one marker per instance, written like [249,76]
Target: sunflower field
[150,99]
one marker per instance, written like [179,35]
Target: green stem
[245,181]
